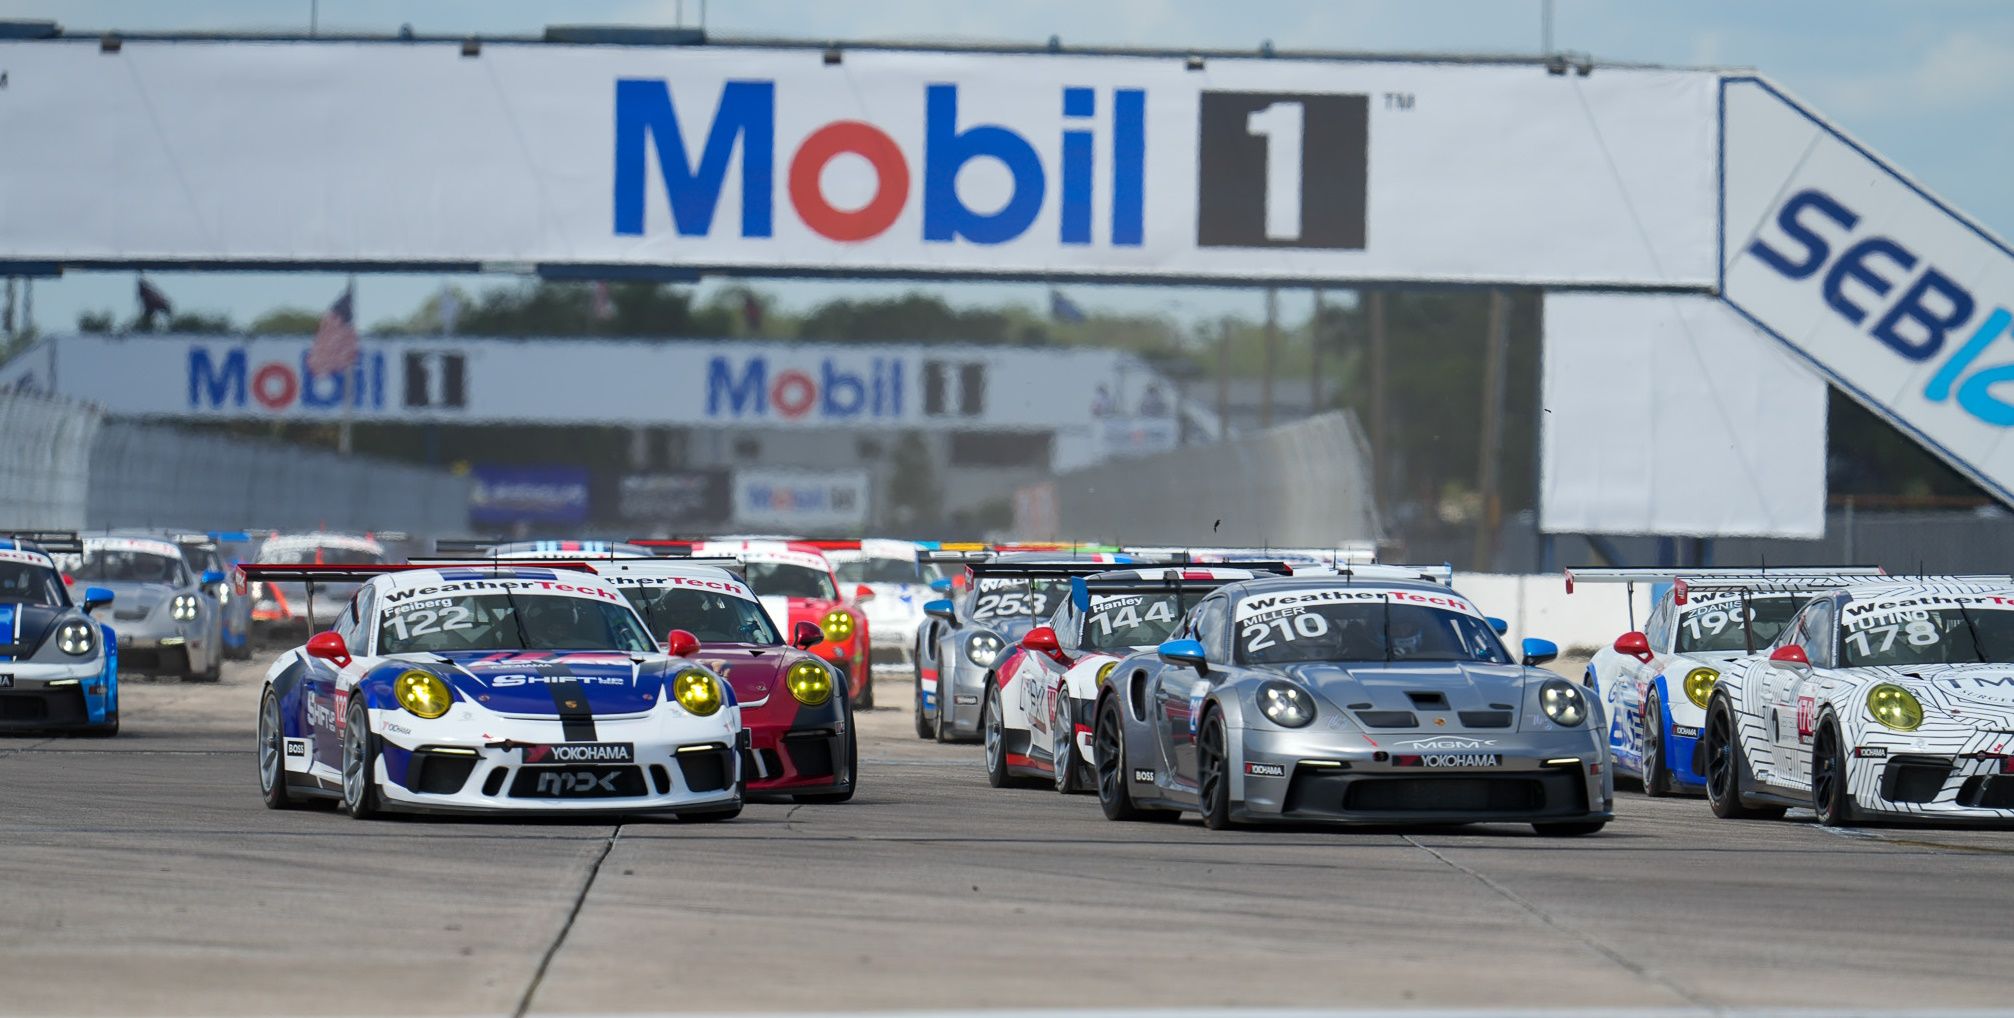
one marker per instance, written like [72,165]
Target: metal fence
[1306,483]
[45,444]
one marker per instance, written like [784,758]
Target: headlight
[1699,685]
[1563,702]
[984,649]
[697,693]
[838,626]
[1105,671]
[1895,707]
[810,683]
[182,608]
[76,638]
[422,693]
[1286,704]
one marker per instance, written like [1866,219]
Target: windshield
[511,622]
[1121,621]
[320,553]
[1007,598]
[21,583]
[710,616]
[775,579]
[110,566]
[879,570]
[1366,631]
[1944,634]
[1717,626]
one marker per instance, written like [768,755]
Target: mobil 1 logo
[1282,169]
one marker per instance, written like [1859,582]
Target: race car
[963,643]
[1371,697]
[893,574]
[280,611]
[1653,683]
[205,553]
[1888,700]
[492,688]
[167,622]
[59,667]
[796,584]
[1037,716]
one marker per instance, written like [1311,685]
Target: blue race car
[58,666]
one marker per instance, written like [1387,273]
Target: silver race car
[166,621]
[1378,695]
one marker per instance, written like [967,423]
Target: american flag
[335,349]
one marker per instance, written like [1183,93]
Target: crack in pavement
[559,939]
[1621,960]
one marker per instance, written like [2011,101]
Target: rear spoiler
[1733,573]
[1356,554]
[733,565]
[1443,574]
[54,542]
[1035,570]
[1172,580]
[312,573]
[966,555]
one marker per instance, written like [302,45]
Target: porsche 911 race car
[1891,700]
[168,624]
[1653,683]
[1374,697]
[280,611]
[796,584]
[58,665]
[965,640]
[1036,718]
[487,688]
[207,552]
[893,573]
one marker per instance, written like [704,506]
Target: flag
[1063,309]
[153,302]
[751,312]
[604,305]
[335,347]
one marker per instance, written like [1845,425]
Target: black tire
[1108,762]
[866,698]
[1569,829]
[1656,774]
[271,755]
[1213,772]
[1829,796]
[925,727]
[940,723]
[1063,751]
[1727,769]
[993,731]
[360,763]
[104,729]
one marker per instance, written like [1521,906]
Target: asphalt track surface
[143,876]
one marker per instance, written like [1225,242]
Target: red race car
[796,708]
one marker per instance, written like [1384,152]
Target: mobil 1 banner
[902,163]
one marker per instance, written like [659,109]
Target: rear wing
[54,542]
[1040,570]
[1336,556]
[313,573]
[1443,574]
[1698,576]
[965,555]
[1173,580]
[607,565]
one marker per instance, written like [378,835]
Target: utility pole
[1316,340]
[1489,450]
[1271,349]
[1223,379]
[1380,427]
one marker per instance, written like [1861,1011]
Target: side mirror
[1538,652]
[680,643]
[942,584]
[1042,640]
[329,646]
[863,592]
[941,609]
[96,597]
[1791,658]
[1188,653]
[806,635]
[1498,624]
[1634,645]
[212,577]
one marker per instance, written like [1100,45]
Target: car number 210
[1260,636]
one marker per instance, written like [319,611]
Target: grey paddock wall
[1305,484]
[64,466]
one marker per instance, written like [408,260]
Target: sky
[1927,83]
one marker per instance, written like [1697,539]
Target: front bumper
[150,646]
[961,687]
[793,748]
[50,696]
[1910,780]
[428,767]
[1337,777]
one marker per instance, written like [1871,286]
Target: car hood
[1979,695]
[551,683]
[1412,688]
[130,599]
[23,627]
[753,670]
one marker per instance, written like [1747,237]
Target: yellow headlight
[1895,707]
[1105,671]
[811,684]
[1699,685]
[422,693]
[838,626]
[697,693]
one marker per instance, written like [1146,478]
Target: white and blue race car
[59,668]
[492,688]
